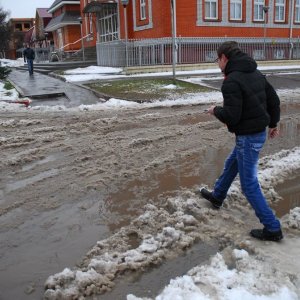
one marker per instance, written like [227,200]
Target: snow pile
[97,277]
[94,70]
[170,87]
[11,63]
[251,279]
[166,230]
[292,220]
[7,94]
[195,99]
[92,73]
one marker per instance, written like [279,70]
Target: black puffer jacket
[29,53]
[250,102]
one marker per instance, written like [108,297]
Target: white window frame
[212,12]
[297,11]
[280,10]
[143,9]
[108,24]
[91,23]
[258,12]
[236,13]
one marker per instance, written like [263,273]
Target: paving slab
[37,85]
[42,87]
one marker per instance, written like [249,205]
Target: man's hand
[273,132]
[211,110]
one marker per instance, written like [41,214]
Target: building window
[27,25]
[235,9]
[297,11]
[108,24]
[258,10]
[279,10]
[211,9]
[18,27]
[143,9]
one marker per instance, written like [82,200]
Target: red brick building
[19,27]
[65,24]
[273,21]
[194,18]
[101,23]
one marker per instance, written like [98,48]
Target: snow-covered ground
[253,271]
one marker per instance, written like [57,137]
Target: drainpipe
[291,29]
[174,46]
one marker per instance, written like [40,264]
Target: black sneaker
[266,235]
[209,196]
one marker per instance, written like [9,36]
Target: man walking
[29,56]
[250,105]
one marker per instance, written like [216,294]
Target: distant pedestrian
[250,105]
[29,56]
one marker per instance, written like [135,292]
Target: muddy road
[71,178]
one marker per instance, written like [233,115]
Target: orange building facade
[94,23]
[194,18]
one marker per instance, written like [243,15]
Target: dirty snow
[253,277]
[243,269]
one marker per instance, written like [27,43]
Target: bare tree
[5,32]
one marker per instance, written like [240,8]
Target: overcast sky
[24,8]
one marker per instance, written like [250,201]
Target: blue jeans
[243,160]
[30,65]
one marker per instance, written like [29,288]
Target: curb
[96,93]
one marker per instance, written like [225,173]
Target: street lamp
[125,3]
[265,9]
[174,49]
[82,43]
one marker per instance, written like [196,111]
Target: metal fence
[41,54]
[149,52]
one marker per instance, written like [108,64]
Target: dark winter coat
[250,102]
[29,53]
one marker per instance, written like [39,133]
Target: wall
[190,21]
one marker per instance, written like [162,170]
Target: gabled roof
[66,18]
[43,13]
[59,3]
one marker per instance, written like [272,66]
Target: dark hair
[228,49]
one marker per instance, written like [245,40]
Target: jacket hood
[240,62]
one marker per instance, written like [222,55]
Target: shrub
[8,85]
[4,71]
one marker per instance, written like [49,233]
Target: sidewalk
[39,86]
[55,91]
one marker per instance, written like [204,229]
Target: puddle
[290,193]
[150,282]
[201,168]
[24,182]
